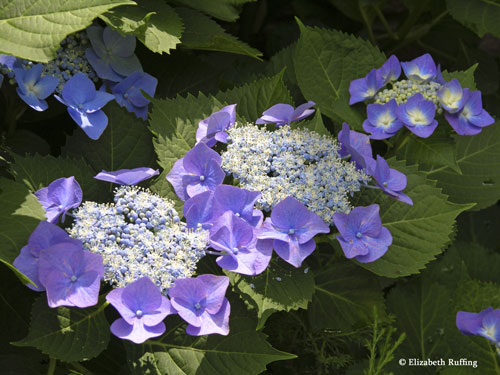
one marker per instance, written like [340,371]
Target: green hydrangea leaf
[203,33]
[154,23]
[478,157]
[481,16]
[244,352]
[21,212]
[225,10]
[280,287]
[420,232]
[466,77]
[344,297]
[315,124]
[326,61]
[126,143]
[37,171]
[67,333]
[33,29]
[436,151]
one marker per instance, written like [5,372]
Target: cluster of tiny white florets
[139,235]
[292,162]
[403,90]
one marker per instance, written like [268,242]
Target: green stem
[52,366]
[371,36]
[77,366]
[385,23]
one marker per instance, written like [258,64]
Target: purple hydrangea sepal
[471,119]
[142,308]
[127,176]
[242,251]
[44,235]
[421,69]
[284,114]
[202,304]
[292,227]
[32,88]
[355,144]
[198,210]
[84,104]
[213,129]
[59,197]
[364,88]
[70,275]
[391,181]
[390,71]
[486,324]
[200,170]
[240,201]
[112,55]
[417,114]
[451,96]
[382,120]
[128,93]
[362,235]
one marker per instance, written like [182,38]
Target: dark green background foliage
[332,315]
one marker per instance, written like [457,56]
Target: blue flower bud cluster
[292,162]
[404,89]
[139,235]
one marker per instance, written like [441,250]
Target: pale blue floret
[139,235]
[292,162]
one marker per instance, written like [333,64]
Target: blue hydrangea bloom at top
[471,118]
[84,104]
[201,302]
[139,235]
[485,323]
[71,275]
[112,55]
[45,235]
[196,172]
[292,227]
[239,247]
[419,98]
[33,89]
[127,176]
[59,197]
[213,129]
[362,235]
[142,308]
[284,114]
[128,93]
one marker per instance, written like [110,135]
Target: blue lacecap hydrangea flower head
[213,129]
[84,104]
[201,302]
[142,308]
[485,323]
[419,98]
[112,55]
[362,235]
[59,197]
